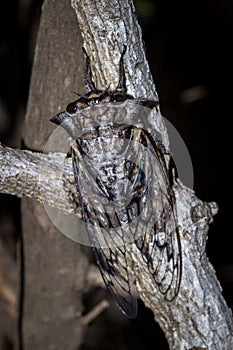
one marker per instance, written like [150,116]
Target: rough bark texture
[31,169]
[199,317]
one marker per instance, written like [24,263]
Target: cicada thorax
[105,118]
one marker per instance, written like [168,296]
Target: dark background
[189,48]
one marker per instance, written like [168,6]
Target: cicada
[124,179]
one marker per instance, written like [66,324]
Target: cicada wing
[114,270]
[148,220]
[108,241]
[159,239]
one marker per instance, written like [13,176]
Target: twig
[94,313]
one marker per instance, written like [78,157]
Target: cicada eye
[71,108]
[118,97]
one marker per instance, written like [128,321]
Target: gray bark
[199,316]
[43,177]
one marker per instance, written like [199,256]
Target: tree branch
[199,317]
[43,177]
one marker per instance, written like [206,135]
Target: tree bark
[54,267]
[39,176]
[198,317]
